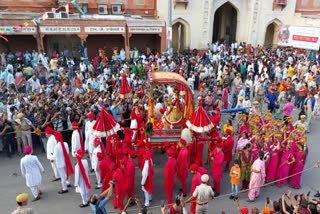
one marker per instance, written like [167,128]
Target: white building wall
[252,20]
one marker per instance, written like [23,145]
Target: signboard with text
[145,29]
[299,37]
[19,30]
[59,29]
[143,23]
[97,29]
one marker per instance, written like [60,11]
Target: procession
[256,144]
[135,107]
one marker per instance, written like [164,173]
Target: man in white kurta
[89,135]
[80,184]
[133,125]
[95,161]
[61,165]
[50,149]
[75,142]
[31,169]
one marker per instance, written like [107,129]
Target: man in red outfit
[228,147]
[169,174]
[103,165]
[196,180]
[217,158]
[119,189]
[109,173]
[182,165]
[129,173]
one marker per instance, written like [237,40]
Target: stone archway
[180,35]
[225,23]
[270,39]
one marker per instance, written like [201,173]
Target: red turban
[194,167]
[100,155]
[49,130]
[90,115]
[27,150]
[96,141]
[80,153]
[183,142]
[228,131]
[170,152]
[75,125]
[244,210]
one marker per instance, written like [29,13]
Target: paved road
[51,202]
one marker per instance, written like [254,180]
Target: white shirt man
[31,169]
[51,143]
[10,79]
[246,103]
[191,81]
[145,176]
[75,142]
[61,165]
[95,161]
[80,184]
[34,84]
[89,134]
[82,67]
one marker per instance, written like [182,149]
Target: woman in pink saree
[274,151]
[287,159]
[225,97]
[257,178]
[298,166]
[242,142]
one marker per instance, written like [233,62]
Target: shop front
[143,34]
[61,39]
[108,36]
[22,39]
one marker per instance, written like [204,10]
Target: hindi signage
[144,23]
[60,29]
[299,37]
[97,29]
[19,30]
[145,29]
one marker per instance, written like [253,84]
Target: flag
[4,38]
[9,30]
[78,7]
[66,6]
[36,21]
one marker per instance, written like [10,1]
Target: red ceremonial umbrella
[105,125]
[125,90]
[199,120]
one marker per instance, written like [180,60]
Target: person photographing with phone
[177,208]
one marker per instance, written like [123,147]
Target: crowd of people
[54,103]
